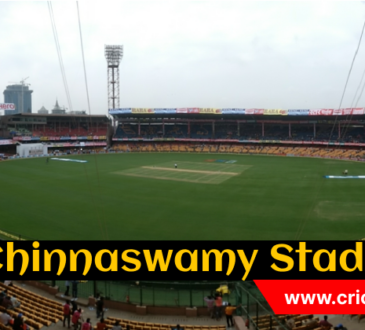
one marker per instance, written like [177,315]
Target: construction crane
[21,100]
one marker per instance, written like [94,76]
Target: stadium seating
[38,310]
[299,151]
[135,325]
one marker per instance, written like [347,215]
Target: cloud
[187,53]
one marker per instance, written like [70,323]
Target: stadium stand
[39,311]
[303,151]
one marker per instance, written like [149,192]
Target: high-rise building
[21,96]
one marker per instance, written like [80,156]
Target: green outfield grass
[140,196]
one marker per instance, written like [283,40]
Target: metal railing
[178,294]
[254,305]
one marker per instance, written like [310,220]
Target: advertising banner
[320,112]
[241,111]
[249,111]
[120,111]
[346,112]
[7,106]
[210,111]
[338,112]
[142,110]
[280,112]
[314,296]
[233,111]
[165,111]
[298,112]
[254,111]
[358,111]
[7,142]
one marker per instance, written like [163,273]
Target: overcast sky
[219,54]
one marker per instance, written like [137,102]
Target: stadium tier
[184,128]
[25,127]
[263,149]
[35,312]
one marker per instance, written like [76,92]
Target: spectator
[19,323]
[4,293]
[116,326]
[66,314]
[74,289]
[67,284]
[101,325]
[100,308]
[7,303]
[76,319]
[229,313]
[5,318]
[219,306]
[86,325]
[15,302]
[290,323]
[177,327]
[74,307]
[310,321]
[324,324]
[210,304]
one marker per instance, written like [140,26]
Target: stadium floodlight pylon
[113,55]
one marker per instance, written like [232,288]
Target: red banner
[254,111]
[320,112]
[348,112]
[7,106]
[340,112]
[358,111]
[314,296]
[5,142]
[193,110]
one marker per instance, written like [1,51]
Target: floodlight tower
[113,55]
